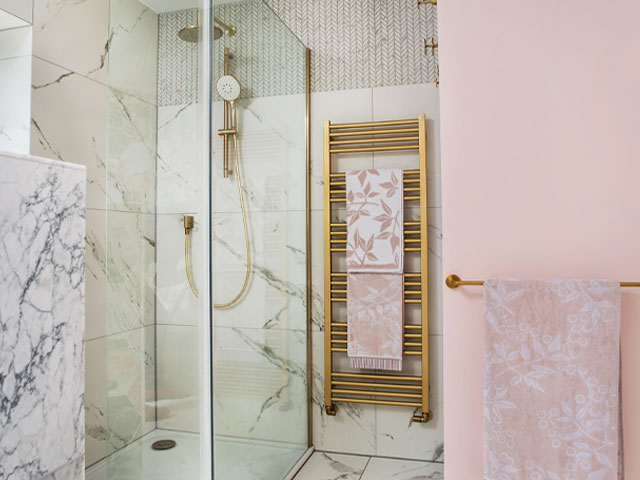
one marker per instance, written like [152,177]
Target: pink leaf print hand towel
[375,221]
[375,279]
[551,380]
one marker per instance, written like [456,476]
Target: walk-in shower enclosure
[229,385]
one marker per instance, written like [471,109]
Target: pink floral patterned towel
[375,316]
[551,373]
[375,221]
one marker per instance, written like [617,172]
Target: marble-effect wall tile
[68,123]
[72,35]
[178,379]
[131,269]
[131,386]
[132,154]
[272,155]
[15,89]
[95,400]
[178,169]
[276,296]
[176,304]
[260,384]
[133,49]
[42,229]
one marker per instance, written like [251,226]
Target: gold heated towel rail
[454,281]
[373,387]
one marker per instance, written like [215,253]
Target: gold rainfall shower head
[191,33]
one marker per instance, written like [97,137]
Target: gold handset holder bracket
[189,224]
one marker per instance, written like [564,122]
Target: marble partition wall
[42,251]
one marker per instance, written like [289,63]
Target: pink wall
[540,111]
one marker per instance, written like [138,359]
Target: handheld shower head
[229,88]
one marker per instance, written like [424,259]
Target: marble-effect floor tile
[390,469]
[332,466]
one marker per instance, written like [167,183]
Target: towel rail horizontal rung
[377,385]
[362,133]
[410,121]
[385,148]
[406,172]
[344,225]
[380,377]
[410,249]
[375,402]
[406,327]
[343,183]
[406,275]
[406,352]
[405,189]
[377,394]
[406,335]
[344,200]
[406,240]
[375,140]
[344,300]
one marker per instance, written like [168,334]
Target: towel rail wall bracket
[374,387]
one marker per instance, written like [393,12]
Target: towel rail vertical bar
[424,271]
[328,355]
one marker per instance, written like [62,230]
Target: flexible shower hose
[246,230]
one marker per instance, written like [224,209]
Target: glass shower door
[260,341]
[158,313]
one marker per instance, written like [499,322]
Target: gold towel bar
[454,281]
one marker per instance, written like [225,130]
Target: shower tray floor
[235,459]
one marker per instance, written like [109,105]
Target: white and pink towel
[551,380]
[375,265]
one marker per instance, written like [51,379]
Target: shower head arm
[230,30]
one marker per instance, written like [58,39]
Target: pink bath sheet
[375,233]
[375,321]
[551,380]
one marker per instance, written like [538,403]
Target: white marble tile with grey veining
[392,469]
[96,274]
[131,271]
[133,49]
[260,384]
[71,471]
[176,303]
[333,466]
[179,159]
[73,34]
[353,429]
[132,153]
[276,294]
[272,162]
[42,230]
[69,123]
[131,377]
[178,379]
[15,104]
[95,400]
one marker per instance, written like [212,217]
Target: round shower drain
[163,444]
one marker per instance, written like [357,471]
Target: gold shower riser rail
[373,388]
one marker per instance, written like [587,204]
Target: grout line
[365,468]
[385,457]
